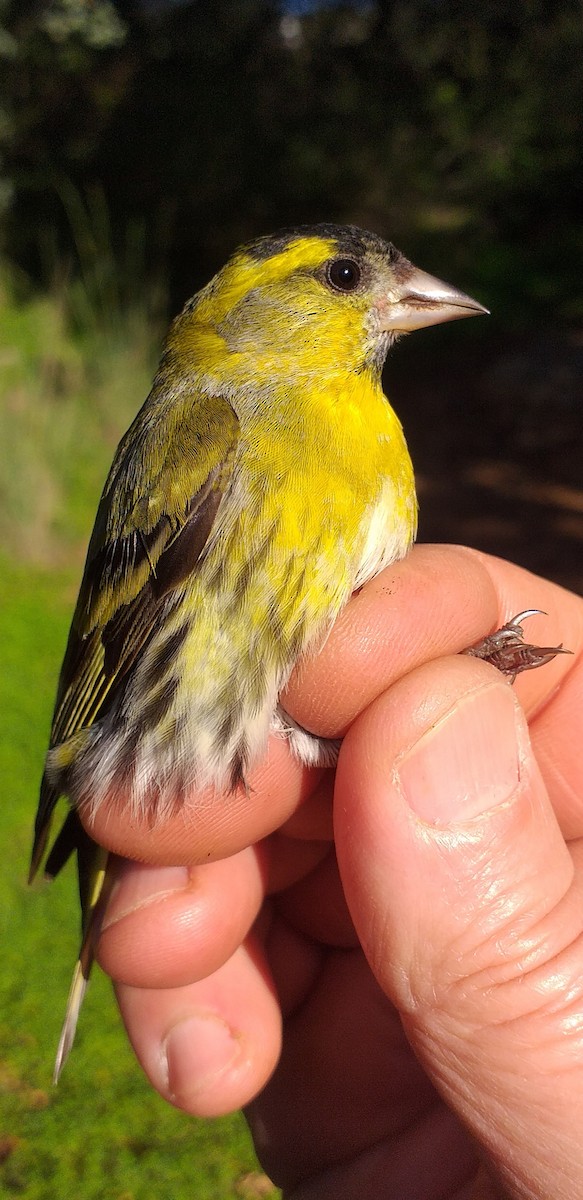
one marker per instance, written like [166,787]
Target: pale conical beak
[423,301]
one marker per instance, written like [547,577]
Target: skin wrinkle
[504,1130]
[511,970]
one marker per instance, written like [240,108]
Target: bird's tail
[94,887]
[74,1002]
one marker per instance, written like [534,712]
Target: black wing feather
[143,547]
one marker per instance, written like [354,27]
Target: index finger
[437,601]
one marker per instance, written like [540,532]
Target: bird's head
[311,299]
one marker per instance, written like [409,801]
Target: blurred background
[140,142]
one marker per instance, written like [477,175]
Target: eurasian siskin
[264,479]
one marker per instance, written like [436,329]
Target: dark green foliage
[454,128]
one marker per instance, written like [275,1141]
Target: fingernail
[198,1050]
[138,886]
[466,764]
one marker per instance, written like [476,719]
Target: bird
[265,478]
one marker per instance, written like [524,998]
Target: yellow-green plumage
[264,479]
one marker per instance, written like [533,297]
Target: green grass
[102,1133]
[66,396]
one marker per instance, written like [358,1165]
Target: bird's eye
[343,274]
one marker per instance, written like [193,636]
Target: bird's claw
[507,650]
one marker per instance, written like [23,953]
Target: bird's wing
[145,543]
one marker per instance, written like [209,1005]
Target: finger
[210,824]
[348,1090]
[169,926]
[209,1047]
[316,906]
[313,819]
[437,601]
[470,910]
[557,735]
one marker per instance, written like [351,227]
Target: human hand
[427,981]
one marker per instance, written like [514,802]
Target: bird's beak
[422,300]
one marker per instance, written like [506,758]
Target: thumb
[468,906]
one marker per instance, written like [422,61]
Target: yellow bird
[264,479]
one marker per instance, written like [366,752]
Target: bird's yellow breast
[323,499]
[310,516]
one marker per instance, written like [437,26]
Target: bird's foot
[507,650]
